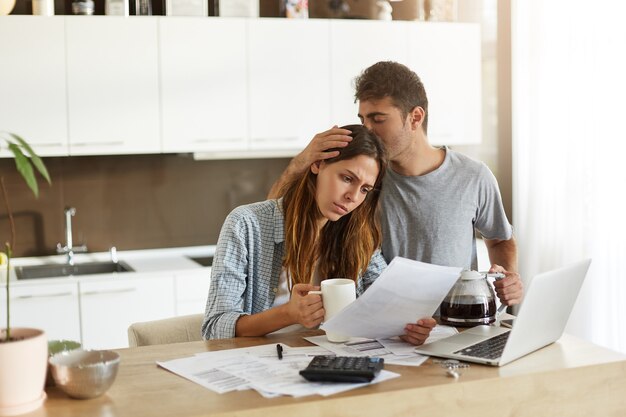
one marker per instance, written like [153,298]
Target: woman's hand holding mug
[305,306]
[336,293]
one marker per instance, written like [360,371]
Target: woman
[271,254]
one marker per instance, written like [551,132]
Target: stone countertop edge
[142,261]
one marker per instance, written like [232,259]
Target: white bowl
[84,373]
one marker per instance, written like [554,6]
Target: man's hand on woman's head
[304,308]
[317,149]
[417,333]
[314,151]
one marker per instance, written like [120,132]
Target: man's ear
[315,167]
[416,117]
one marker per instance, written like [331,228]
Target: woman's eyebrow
[358,178]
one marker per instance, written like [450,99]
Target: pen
[279,351]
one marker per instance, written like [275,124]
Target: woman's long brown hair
[342,248]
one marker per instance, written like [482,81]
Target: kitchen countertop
[141,261]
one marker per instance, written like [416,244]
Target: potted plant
[23,351]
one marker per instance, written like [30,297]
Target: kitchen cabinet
[354,46]
[203,84]
[192,289]
[221,87]
[289,82]
[109,305]
[450,69]
[32,82]
[112,85]
[52,307]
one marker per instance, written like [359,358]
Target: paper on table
[400,347]
[359,346]
[356,346]
[269,352]
[206,373]
[405,292]
[209,374]
[259,368]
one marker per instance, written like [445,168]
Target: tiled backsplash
[132,202]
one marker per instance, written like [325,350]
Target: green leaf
[25,168]
[35,159]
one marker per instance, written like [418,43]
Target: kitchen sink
[202,260]
[64,270]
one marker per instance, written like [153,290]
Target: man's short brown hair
[391,79]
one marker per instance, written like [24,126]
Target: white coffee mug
[336,294]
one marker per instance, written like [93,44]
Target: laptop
[541,319]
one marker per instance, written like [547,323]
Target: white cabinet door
[203,84]
[113,86]
[32,82]
[447,57]
[110,305]
[289,72]
[192,289]
[354,46]
[50,307]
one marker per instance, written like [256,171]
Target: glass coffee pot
[470,302]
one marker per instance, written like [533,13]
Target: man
[433,199]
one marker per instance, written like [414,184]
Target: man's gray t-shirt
[432,217]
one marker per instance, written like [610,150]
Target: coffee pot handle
[497,276]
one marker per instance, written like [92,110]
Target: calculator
[342,369]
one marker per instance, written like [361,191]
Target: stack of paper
[260,369]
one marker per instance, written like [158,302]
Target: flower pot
[23,365]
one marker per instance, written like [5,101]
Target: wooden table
[568,378]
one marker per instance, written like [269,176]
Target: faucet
[69,249]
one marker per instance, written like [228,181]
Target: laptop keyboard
[488,349]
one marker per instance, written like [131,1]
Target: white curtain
[569,152]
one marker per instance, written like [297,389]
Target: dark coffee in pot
[468,311]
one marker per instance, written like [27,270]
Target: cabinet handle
[117,143]
[61,294]
[118,291]
[285,139]
[211,140]
[47,145]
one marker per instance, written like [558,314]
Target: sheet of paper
[400,347]
[260,350]
[207,368]
[206,373]
[284,378]
[358,346]
[440,332]
[405,292]
[295,354]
